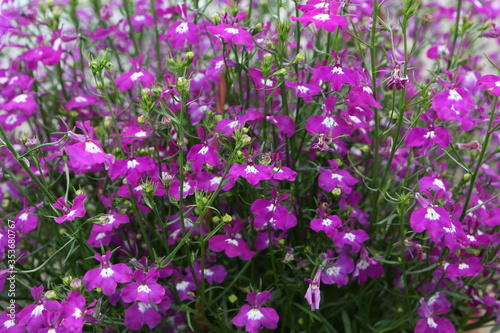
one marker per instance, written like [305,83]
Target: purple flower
[74,313]
[128,80]
[491,83]
[313,294]
[232,35]
[254,316]
[327,223]
[107,275]
[70,214]
[26,220]
[34,315]
[232,243]
[252,172]
[430,323]
[5,27]
[203,153]
[145,290]
[323,15]
[335,271]
[331,178]
[367,266]
[139,314]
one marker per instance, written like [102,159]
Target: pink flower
[491,83]
[313,294]
[139,314]
[232,243]
[129,80]
[254,316]
[107,275]
[429,310]
[145,290]
[70,214]
[232,35]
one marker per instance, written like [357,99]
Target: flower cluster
[160,162]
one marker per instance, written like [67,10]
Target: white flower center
[107,272]
[92,148]
[232,31]
[20,99]
[232,241]
[328,122]
[302,89]
[254,314]
[143,289]
[454,95]
[132,164]
[432,214]
[134,77]
[431,323]
[321,17]
[80,99]
[350,236]
[182,28]
[250,169]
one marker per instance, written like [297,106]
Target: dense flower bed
[213,166]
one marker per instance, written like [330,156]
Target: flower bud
[280,72]
[216,219]
[67,280]
[190,56]
[284,30]
[141,119]
[232,298]
[76,284]
[182,86]
[51,294]
[466,177]
[337,192]
[289,257]
[227,218]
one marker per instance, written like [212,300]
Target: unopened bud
[76,284]
[466,177]
[337,192]
[141,119]
[227,218]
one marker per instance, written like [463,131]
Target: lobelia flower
[313,294]
[396,79]
[471,266]
[33,316]
[331,178]
[74,312]
[132,168]
[232,243]
[281,172]
[252,172]
[269,212]
[9,325]
[26,220]
[429,311]
[81,101]
[145,290]
[103,228]
[337,75]
[139,314]
[216,273]
[491,83]
[203,153]
[107,275]
[431,218]
[328,224]
[267,84]
[427,137]
[367,266]
[454,103]
[128,80]
[232,35]
[304,90]
[254,316]
[70,214]
[326,123]
[352,238]
[183,31]
[87,153]
[335,271]
[322,14]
